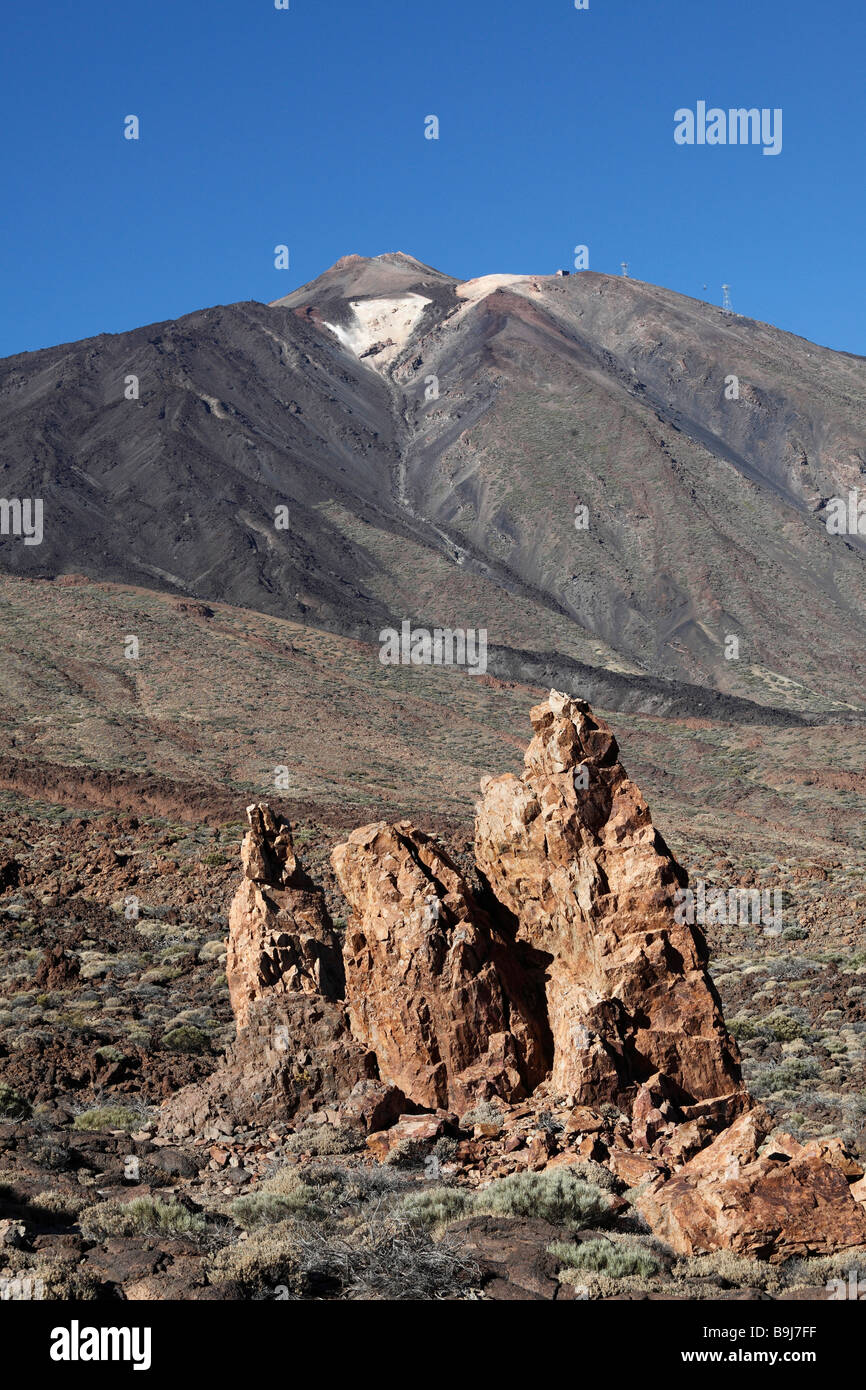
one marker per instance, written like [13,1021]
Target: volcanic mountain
[613,480]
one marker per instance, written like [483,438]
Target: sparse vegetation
[385,1257]
[186,1039]
[603,1257]
[104,1117]
[324,1140]
[555,1196]
[12,1106]
[140,1216]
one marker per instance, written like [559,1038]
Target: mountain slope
[431,441]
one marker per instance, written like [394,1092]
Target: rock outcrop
[570,850]
[433,986]
[765,1200]
[576,972]
[294,1054]
[575,981]
[58,969]
[294,1050]
[281,940]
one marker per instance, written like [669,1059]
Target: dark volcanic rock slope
[431,441]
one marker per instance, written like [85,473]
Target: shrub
[482,1114]
[596,1175]
[141,1216]
[437,1206]
[265,1208]
[784,1028]
[726,1268]
[556,1196]
[445,1149]
[409,1153]
[259,1265]
[186,1038]
[386,1257]
[323,1140]
[60,1281]
[12,1106]
[603,1257]
[549,1123]
[57,1206]
[109,1117]
[212,950]
[786,1076]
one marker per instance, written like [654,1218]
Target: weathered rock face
[280,935]
[571,851]
[433,987]
[790,1199]
[295,1054]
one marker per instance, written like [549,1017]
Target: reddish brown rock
[423,1130]
[433,987]
[634,1168]
[582,1120]
[835,1152]
[57,970]
[295,1054]
[592,884]
[785,1200]
[372,1106]
[281,940]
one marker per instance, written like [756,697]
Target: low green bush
[604,1257]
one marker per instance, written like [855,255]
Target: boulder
[57,970]
[372,1106]
[570,851]
[764,1200]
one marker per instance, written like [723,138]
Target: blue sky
[306,127]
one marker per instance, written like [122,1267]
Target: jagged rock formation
[433,986]
[294,1050]
[576,982]
[280,935]
[773,1202]
[582,976]
[571,851]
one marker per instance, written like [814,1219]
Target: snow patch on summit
[380,328]
[474,290]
